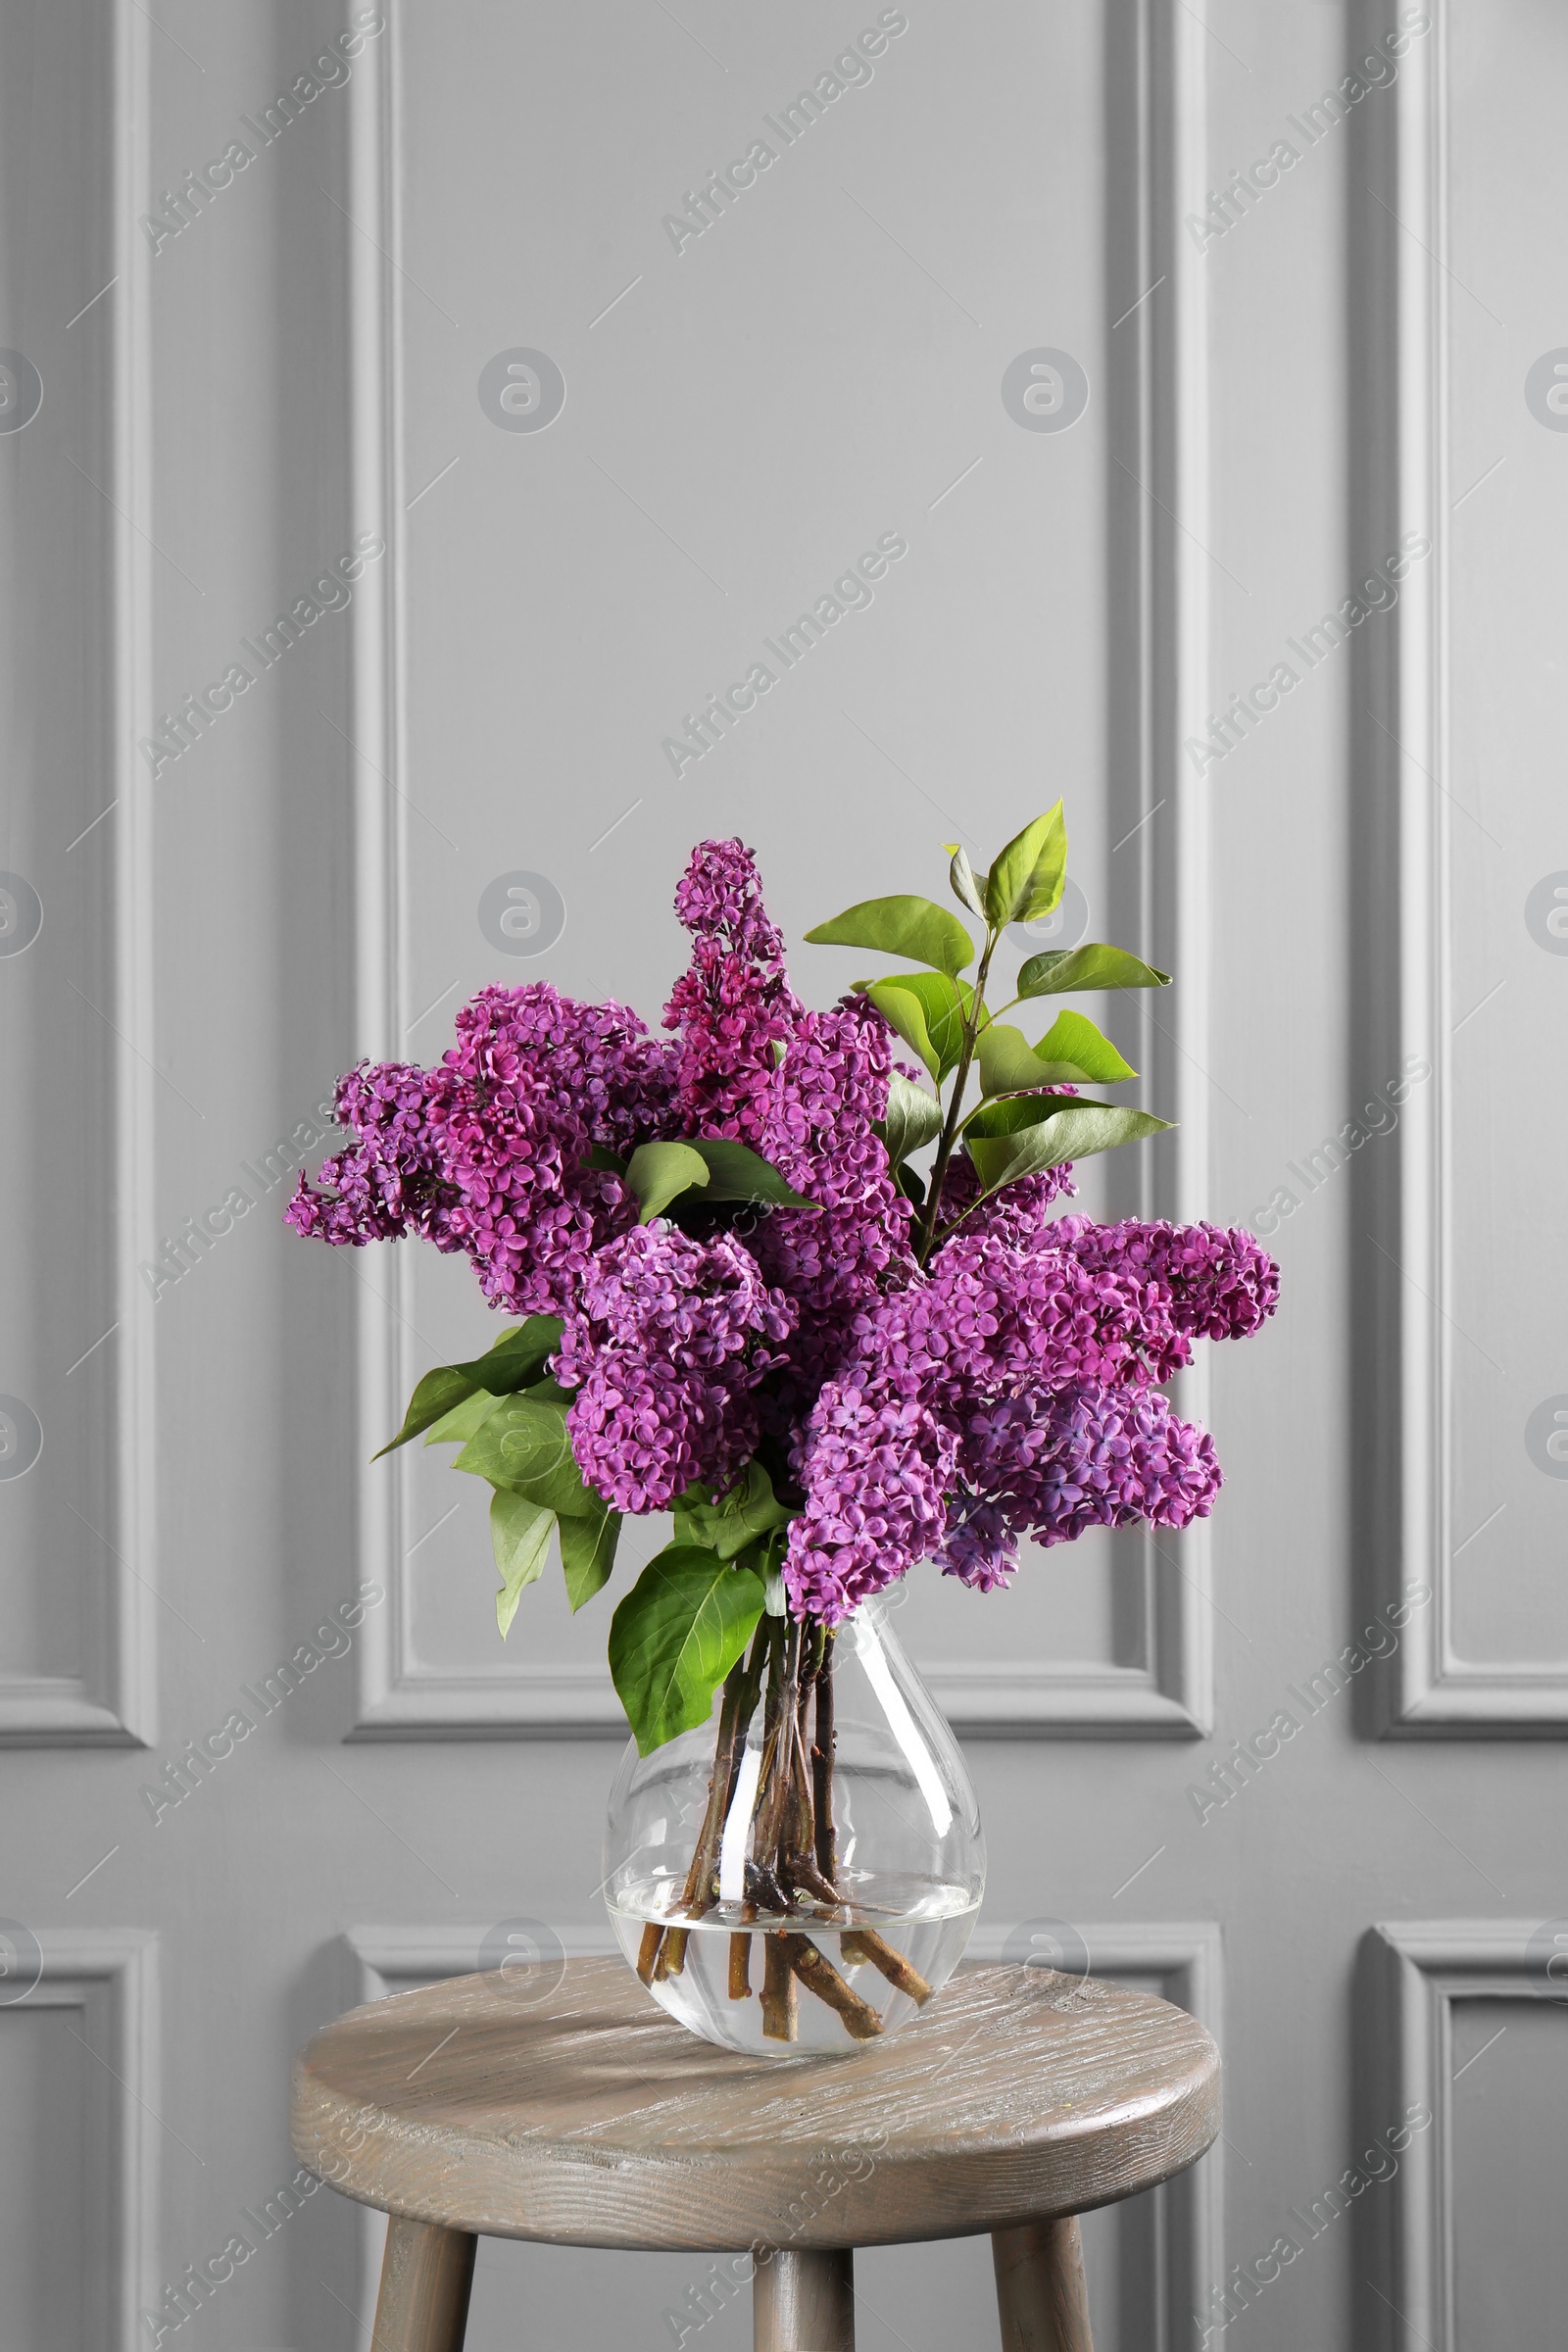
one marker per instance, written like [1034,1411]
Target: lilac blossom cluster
[666,1345]
[1020,1370]
[1006,1389]
[733,1007]
[489,1153]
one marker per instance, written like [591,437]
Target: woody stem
[925,1230]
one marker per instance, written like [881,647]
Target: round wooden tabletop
[584,2115]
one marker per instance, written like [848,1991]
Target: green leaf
[687,1508]
[944,1005]
[913,1119]
[517,1357]
[659,1172]
[748,1511]
[520,1537]
[525,1447]
[1075,1051]
[436,1394]
[464,1421]
[735,1172]
[588,1555]
[1005,1114]
[905,1015]
[515,1362]
[600,1156]
[1063,969]
[966,885]
[1074,1133]
[1007,1061]
[900,927]
[1025,881]
[764,1560]
[674,1638]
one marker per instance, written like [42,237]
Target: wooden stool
[582,2116]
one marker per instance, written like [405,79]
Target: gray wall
[1357,884]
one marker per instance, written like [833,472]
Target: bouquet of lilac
[737,1300]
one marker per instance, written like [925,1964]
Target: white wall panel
[79,2211]
[80,1074]
[1470,2246]
[1463,833]
[1116,1639]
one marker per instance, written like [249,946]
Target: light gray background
[1343,894]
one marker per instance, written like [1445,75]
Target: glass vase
[802,1874]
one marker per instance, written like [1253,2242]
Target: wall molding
[1404,755]
[1177,920]
[1158,501]
[1009,1698]
[112,1702]
[1419,1969]
[386,1960]
[111,1975]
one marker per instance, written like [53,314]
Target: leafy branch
[1021,1125]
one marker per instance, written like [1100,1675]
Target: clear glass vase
[802,1874]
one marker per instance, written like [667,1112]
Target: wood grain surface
[1042,2298]
[586,2117]
[426,2279]
[803,2302]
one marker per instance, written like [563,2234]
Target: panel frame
[1172,1696]
[124,1961]
[1403,751]
[1419,1968]
[389,1959]
[113,1702]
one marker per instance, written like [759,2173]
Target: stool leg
[426,2273]
[803,2301]
[1041,2297]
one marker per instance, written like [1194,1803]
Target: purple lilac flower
[666,1344]
[1051,1466]
[610,1082]
[878,1469]
[832,1083]
[1221,1284]
[803,1089]
[537,1080]
[987,1318]
[390,1182]
[733,1004]
[980,1547]
[485,1155]
[1019,1215]
[986,1322]
[1052,1351]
